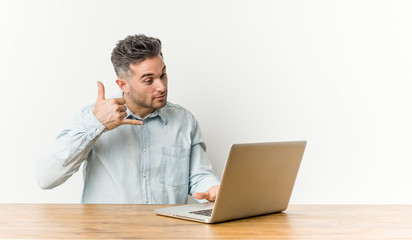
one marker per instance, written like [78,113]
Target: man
[136,147]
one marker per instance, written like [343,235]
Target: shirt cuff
[92,126]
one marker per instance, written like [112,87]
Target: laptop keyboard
[207,212]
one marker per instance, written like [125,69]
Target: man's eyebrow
[151,74]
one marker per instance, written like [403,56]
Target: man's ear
[123,85]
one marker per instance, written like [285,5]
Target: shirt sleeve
[202,177]
[73,144]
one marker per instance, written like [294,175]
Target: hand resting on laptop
[209,195]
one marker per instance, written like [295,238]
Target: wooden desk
[76,221]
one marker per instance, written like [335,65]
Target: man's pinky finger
[131,122]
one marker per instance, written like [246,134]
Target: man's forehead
[150,65]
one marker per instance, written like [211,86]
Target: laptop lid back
[258,179]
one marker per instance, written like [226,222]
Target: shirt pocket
[175,166]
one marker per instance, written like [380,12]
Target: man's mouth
[162,97]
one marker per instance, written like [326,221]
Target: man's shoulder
[176,110]
[87,109]
[175,107]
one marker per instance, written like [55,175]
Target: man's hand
[111,112]
[209,195]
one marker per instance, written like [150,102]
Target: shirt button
[144,175]
[142,126]
[147,201]
[144,149]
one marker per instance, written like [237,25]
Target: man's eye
[148,81]
[163,75]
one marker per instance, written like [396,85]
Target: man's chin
[159,105]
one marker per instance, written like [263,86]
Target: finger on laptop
[209,195]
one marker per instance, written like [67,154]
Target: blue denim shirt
[159,162]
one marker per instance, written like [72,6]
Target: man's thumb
[201,195]
[100,91]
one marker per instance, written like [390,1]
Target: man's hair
[134,49]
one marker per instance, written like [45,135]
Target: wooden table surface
[77,221]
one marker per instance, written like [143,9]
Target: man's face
[148,86]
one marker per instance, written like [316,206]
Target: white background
[334,73]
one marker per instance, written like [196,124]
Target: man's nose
[160,85]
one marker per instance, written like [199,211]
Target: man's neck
[137,109]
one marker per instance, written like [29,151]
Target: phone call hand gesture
[111,112]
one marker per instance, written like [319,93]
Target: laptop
[258,179]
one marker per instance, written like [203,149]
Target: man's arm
[64,157]
[73,144]
[203,180]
